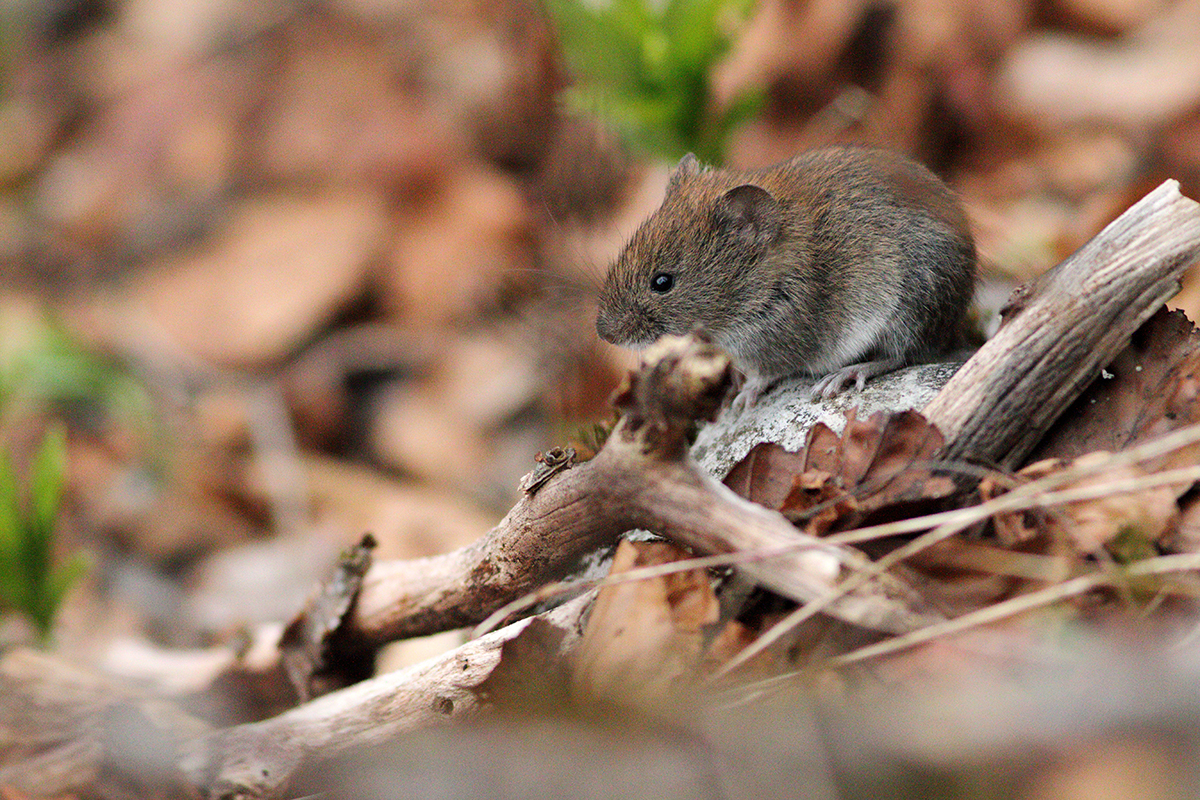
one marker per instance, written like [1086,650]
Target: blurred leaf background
[277,274]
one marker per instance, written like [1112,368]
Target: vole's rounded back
[839,259]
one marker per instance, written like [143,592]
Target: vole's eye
[662,282]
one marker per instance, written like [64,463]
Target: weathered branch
[1061,331]
[588,508]
[258,759]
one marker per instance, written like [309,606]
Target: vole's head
[695,261]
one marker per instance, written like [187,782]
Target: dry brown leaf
[1013,528]
[1140,82]
[1179,156]
[817,500]
[181,27]
[341,111]
[823,449]
[1106,17]
[1150,389]
[877,469]
[160,521]
[283,267]
[1098,523]
[804,644]
[897,461]
[458,249]
[319,385]
[764,51]
[488,378]
[409,521]
[493,69]
[147,170]
[1090,525]
[415,431]
[963,575]
[644,638]
[764,476]
[912,75]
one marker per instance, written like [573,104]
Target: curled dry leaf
[888,459]
[1145,516]
[1015,527]
[1096,523]
[765,475]
[817,499]
[310,255]
[1089,525]
[878,469]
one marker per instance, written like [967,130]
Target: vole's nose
[606,326]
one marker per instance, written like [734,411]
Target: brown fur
[840,255]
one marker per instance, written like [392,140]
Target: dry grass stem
[1161,565]
[1019,499]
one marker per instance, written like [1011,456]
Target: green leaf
[692,25]
[57,584]
[28,582]
[597,43]
[46,481]
[1130,546]
[11,519]
[13,583]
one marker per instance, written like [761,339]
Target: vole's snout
[606,325]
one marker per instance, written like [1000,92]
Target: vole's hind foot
[747,398]
[839,380]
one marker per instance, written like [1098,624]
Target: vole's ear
[749,212]
[688,165]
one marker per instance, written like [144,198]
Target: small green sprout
[644,68]
[30,582]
